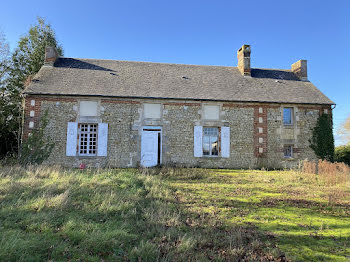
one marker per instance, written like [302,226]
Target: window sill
[87,157]
[210,120]
[81,157]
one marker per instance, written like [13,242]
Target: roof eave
[176,98]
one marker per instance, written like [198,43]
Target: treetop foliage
[342,154]
[28,57]
[26,60]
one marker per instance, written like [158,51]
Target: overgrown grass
[307,215]
[54,214]
[174,214]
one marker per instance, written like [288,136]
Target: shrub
[322,140]
[342,154]
[36,148]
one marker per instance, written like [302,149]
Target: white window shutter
[198,140]
[72,137]
[225,141]
[102,139]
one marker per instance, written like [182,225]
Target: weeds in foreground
[330,175]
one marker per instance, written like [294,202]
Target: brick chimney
[51,55]
[243,56]
[300,69]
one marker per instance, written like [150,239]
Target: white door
[149,148]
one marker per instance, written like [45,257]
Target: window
[211,112]
[152,110]
[288,116]
[288,151]
[87,139]
[211,141]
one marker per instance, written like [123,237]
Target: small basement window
[87,139]
[210,141]
[288,151]
[288,116]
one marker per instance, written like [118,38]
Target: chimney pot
[51,55]
[299,68]
[243,56]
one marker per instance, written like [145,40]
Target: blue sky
[202,32]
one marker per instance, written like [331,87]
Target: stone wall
[257,135]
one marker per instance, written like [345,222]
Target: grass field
[308,218]
[54,214]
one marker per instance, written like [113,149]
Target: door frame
[159,130]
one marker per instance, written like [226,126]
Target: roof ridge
[145,62]
[164,63]
[280,69]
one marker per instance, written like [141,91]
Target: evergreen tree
[25,61]
[322,140]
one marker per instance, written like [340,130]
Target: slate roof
[110,78]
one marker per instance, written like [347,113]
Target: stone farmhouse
[126,114]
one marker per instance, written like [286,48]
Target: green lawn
[55,214]
[309,219]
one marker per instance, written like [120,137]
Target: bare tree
[4,70]
[4,46]
[4,55]
[344,131]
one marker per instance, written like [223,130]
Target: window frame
[291,151]
[291,116]
[211,148]
[90,139]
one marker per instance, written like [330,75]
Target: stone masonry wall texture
[252,126]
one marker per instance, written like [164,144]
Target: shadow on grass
[315,247]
